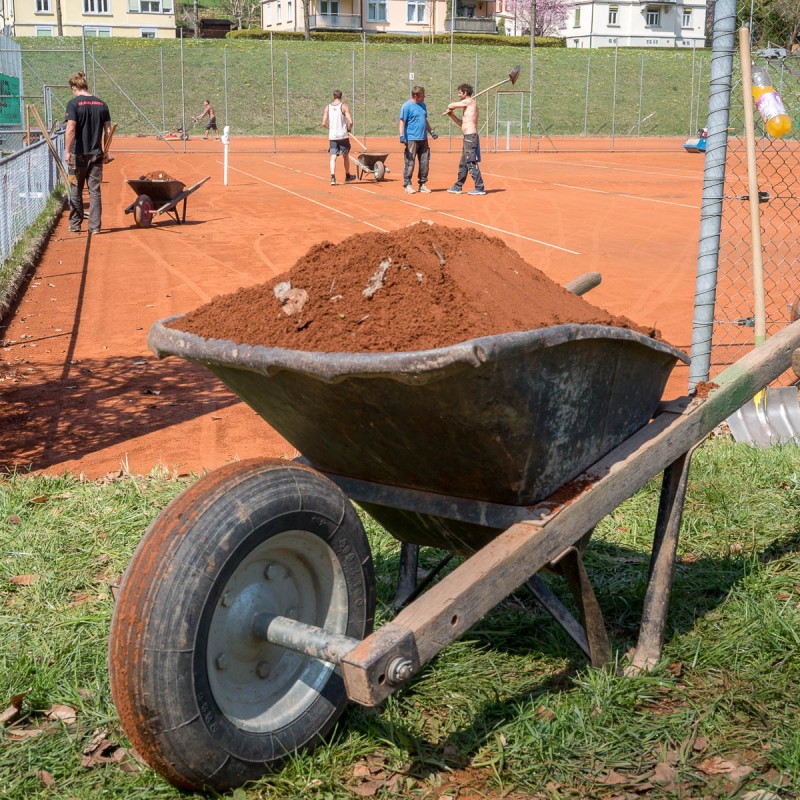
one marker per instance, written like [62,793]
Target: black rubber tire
[143,211]
[380,170]
[173,595]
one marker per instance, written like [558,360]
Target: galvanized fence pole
[449,121]
[614,97]
[692,127]
[364,82]
[586,94]
[719,101]
[225,79]
[697,124]
[83,48]
[410,71]
[288,111]
[531,46]
[641,92]
[183,97]
[163,100]
[353,83]
[272,82]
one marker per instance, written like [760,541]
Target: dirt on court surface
[80,390]
[417,288]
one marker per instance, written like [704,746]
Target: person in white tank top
[337,119]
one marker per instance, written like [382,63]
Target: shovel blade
[771,417]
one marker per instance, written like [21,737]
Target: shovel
[512,79]
[773,415]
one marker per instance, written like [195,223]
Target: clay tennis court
[81,391]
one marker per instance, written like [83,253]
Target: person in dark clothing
[88,126]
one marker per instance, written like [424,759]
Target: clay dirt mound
[416,288]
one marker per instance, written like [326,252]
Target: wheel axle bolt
[221,661]
[226,599]
[271,572]
[400,670]
[262,670]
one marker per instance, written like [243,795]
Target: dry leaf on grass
[700,744]
[60,713]
[716,765]
[664,773]
[40,498]
[46,779]
[368,788]
[24,580]
[760,794]
[102,750]
[12,713]
[14,519]
[614,778]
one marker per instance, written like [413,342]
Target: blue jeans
[469,162]
[417,149]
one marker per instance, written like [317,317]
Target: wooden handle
[108,141]
[752,183]
[583,283]
[357,141]
[796,362]
[65,176]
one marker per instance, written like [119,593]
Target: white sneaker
[424,189]
[410,189]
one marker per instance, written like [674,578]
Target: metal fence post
[713,185]
[586,95]
[272,81]
[641,91]
[614,97]
[288,111]
[163,101]
[183,96]
[225,79]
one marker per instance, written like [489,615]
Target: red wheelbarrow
[156,197]
[243,624]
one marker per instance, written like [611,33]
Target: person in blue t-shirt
[414,130]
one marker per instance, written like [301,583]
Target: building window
[147,33]
[686,21]
[613,15]
[376,11]
[268,20]
[329,8]
[93,30]
[95,6]
[42,6]
[653,17]
[44,30]
[577,22]
[278,12]
[149,6]
[417,11]
[289,16]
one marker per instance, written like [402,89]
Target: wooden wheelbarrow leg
[662,565]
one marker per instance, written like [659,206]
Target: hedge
[400,38]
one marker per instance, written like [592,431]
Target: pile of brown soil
[158,175]
[417,288]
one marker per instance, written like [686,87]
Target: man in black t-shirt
[88,125]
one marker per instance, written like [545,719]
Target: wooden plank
[460,599]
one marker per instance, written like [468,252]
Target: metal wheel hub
[259,686]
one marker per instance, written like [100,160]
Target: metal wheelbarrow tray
[156,197]
[371,163]
[243,623]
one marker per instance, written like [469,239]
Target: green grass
[26,251]
[513,704]
[282,88]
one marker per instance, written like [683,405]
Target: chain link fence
[278,88]
[27,178]
[774,45]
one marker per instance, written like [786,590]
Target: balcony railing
[335,22]
[470,24]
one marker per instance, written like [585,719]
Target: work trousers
[417,149]
[88,172]
[469,162]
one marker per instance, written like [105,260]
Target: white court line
[443,213]
[304,197]
[585,189]
[591,165]
[629,196]
[508,233]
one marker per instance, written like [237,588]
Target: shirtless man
[211,125]
[471,149]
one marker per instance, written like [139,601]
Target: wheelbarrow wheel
[143,211]
[204,701]
[380,170]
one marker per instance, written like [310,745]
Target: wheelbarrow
[371,163]
[243,623]
[156,197]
